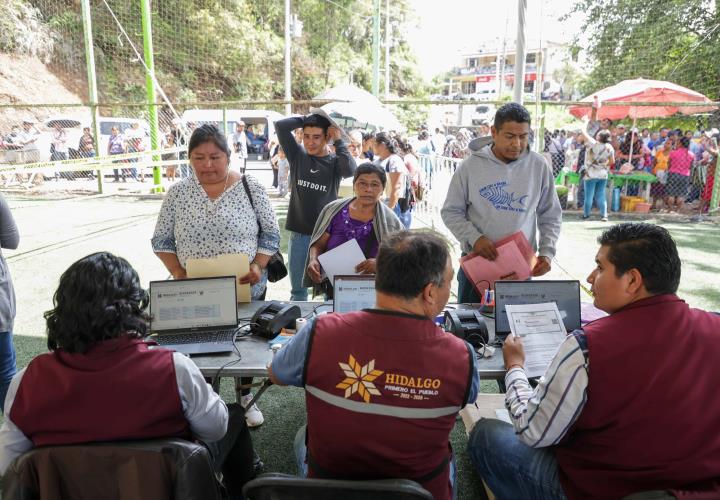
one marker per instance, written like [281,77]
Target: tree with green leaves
[674,40]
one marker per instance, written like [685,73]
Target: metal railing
[437,172]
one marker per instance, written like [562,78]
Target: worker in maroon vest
[627,404]
[383,386]
[100,382]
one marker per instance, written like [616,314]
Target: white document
[342,259]
[542,330]
[323,113]
[232,264]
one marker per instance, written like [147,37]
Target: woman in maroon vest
[100,382]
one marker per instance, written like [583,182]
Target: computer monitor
[353,292]
[565,293]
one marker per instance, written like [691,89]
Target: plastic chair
[131,470]
[274,486]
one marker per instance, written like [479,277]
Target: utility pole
[150,91]
[92,82]
[501,80]
[376,49]
[519,85]
[288,80]
[388,36]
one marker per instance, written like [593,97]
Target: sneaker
[604,219]
[253,415]
[585,217]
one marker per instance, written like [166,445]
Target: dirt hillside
[25,79]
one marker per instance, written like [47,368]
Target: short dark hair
[410,260]
[99,297]
[370,168]
[648,248]
[390,142]
[685,141]
[603,136]
[511,112]
[208,133]
[318,121]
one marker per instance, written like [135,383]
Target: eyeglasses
[372,185]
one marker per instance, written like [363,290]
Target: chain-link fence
[221,61]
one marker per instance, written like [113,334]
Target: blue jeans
[595,189]
[7,365]
[510,468]
[301,453]
[406,217]
[298,247]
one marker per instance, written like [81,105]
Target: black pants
[234,455]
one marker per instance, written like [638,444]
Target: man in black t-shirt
[315,176]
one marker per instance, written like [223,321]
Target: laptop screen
[566,294]
[353,292]
[193,303]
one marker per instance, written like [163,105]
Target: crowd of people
[574,433]
[683,162]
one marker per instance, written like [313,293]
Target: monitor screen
[354,293]
[566,294]
[193,303]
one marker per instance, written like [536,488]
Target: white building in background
[481,72]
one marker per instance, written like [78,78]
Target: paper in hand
[342,259]
[542,330]
[323,113]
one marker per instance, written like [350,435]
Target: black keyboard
[217,336]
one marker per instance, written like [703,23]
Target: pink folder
[515,260]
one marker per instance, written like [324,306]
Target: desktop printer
[273,317]
[467,324]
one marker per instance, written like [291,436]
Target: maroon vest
[383,391]
[117,390]
[651,419]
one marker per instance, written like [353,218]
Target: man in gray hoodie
[502,188]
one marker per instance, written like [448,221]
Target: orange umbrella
[641,90]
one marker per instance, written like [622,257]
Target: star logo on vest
[359,379]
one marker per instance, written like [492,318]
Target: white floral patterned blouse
[193,226]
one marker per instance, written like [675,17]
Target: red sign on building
[529,77]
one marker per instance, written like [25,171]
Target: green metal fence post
[92,82]
[225,127]
[540,139]
[715,198]
[376,49]
[151,96]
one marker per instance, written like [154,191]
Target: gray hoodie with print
[490,198]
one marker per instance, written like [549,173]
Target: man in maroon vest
[100,382]
[383,386]
[627,403]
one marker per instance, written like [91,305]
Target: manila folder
[231,264]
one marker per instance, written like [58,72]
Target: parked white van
[258,121]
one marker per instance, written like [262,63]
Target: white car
[484,95]
[483,112]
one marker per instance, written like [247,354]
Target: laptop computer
[194,316]
[353,292]
[565,293]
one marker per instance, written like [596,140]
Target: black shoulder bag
[276,269]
